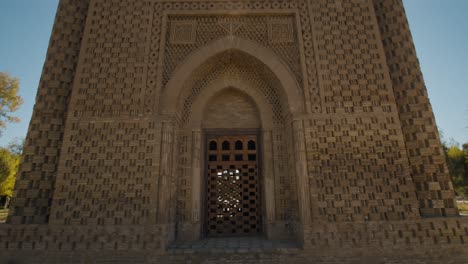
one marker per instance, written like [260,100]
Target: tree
[5,164]
[9,163]
[10,101]
[16,146]
[457,162]
[465,151]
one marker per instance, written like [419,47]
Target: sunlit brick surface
[349,163]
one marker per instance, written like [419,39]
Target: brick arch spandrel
[171,94]
[218,87]
[234,65]
[231,109]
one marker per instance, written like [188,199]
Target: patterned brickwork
[231,109]
[184,179]
[359,168]
[237,66]
[422,241]
[275,31]
[285,41]
[357,161]
[36,238]
[286,204]
[428,169]
[259,79]
[403,235]
[113,65]
[35,185]
[311,84]
[350,59]
[107,174]
[348,156]
[109,169]
[209,28]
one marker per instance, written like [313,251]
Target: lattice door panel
[233,195]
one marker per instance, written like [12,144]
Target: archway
[255,72]
[171,93]
[232,176]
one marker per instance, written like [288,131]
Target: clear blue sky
[440,31]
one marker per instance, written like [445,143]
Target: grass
[463,207]
[3,215]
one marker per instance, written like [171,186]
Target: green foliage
[10,101]
[457,162]
[9,163]
[465,151]
[5,164]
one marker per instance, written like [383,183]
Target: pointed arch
[198,108]
[172,91]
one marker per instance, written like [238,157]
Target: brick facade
[42,147]
[350,162]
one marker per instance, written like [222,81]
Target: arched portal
[232,176]
[290,87]
[239,90]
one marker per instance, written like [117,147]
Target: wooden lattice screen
[233,198]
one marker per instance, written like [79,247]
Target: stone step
[121,259]
[243,258]
[233,245]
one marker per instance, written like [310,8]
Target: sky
[439,28]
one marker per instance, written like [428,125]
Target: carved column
[303,192]
[269,184]
[197,175]
[165,175]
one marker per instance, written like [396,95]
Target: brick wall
[429,171]
[37,174]
[364,153]
[434,240]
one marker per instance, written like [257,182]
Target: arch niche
[235,86]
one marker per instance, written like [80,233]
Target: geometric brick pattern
[235,65]
[112,69]
[69,238]
[260,80]
[280,31]
[350,60]
[106,169]
[183,32]
[430,174]
[443,234]
[312,91]
[35,185]
[357,180]
[210,28]
[107,174]
[334,240]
